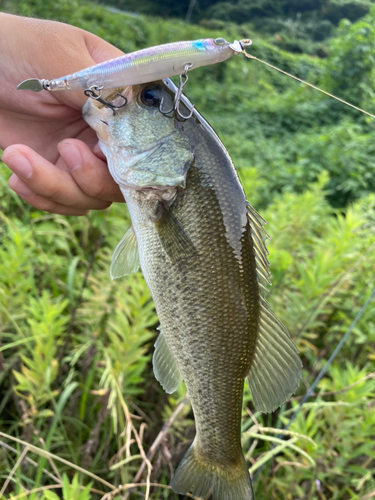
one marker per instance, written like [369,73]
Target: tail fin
[200,478]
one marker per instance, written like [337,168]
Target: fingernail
[71,155]
[19,164]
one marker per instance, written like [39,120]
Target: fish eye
[151,96]
[219,41]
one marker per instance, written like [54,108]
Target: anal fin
[165,367]
[125,259]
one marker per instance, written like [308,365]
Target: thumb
[99,49]
[88,50]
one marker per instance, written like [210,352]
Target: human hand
[50,148]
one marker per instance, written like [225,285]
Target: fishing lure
[154,63]
[142,66]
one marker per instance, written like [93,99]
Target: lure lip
[239,46]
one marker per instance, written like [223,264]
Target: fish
[201,247]
[143,66]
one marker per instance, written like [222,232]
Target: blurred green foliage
[75,348]
[295,25]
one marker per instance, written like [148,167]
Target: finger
[90,172]
[39,202]
[47,180]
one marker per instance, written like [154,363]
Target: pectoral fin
[276,369]
[173,238]
[165,367]
[125,259]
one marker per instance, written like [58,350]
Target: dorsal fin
[276,369]
[259,236]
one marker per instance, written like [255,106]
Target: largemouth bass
[201,247]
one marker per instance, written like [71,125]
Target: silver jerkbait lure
[143,66]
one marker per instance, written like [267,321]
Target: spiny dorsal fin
[259,236]
[125,258]
[165,367]
[276,369]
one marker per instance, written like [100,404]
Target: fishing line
[307,83]
[329,362]
[322,372]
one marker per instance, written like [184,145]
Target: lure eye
[219,41]
[151,96]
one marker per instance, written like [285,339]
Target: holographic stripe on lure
[143,66]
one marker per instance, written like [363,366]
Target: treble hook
[91,92]
[177,98]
